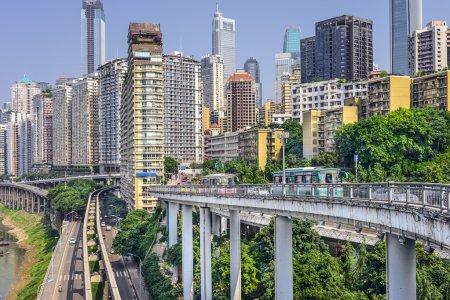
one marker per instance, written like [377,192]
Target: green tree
[170,165]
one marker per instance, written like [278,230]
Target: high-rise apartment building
[142,117]
[212,77]
[18,144]
[283,65]
[344,48]
[319,128]
[405,18]
[12,146]
[62,125]
[308,59]
[288,81]
[111,78]
[385,95]
[431,91]
[93,36]
[251,66]
[3,149]
[224,42]
[182,109]
[270,109]
[324,95]
[25,146]
[22,93]
[85,122]
[428,48]
[291,43]
[218,117]
[241,101]
[42,126]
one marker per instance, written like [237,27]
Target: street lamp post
[284,136]
[140,274]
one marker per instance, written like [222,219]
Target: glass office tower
[405,18]
[291,43]
[92,36]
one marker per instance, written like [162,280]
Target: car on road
[112,251]
[108,228]
[103,224]
[72,241]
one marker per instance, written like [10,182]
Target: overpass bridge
[103,178]
[403,212]
[24,197]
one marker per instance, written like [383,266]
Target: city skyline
[194,37]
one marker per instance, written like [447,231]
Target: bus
[219,179]
[308,181]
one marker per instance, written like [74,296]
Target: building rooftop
[25,79]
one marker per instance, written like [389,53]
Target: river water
[9,263]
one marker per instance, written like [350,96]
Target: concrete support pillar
[284,276]
[223,225]
[401,268]
[205,253]
[187,254]
[235,255]
[172,220]
[215,224]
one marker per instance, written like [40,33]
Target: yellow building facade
[320,126]
[385,95]
[431,91]
[257,145]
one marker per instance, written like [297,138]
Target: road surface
[67,269]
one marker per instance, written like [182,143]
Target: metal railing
[428,195]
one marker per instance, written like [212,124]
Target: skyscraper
[344,48]
[142,117]
[283,65]
[241,101]
[62,125]
[182,109]
[85,121]
[22,93]
[405,18]
[42,130]
[308,58]
[213,82]
[428,48]
[111,78]
[3,150]
[224,42]
[291,43]
[93,36]
[251,66]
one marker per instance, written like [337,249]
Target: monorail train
[310,181]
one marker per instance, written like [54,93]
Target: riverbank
[38,241]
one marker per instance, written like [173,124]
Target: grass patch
[97,290]
[94,266]
[42,239]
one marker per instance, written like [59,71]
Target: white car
[72,241]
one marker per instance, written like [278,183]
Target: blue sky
[42,38]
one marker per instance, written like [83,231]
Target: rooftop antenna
[217,5]
[181,45]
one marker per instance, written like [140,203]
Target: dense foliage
[170,165]
[248,173]
[405,145]
[73,195]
